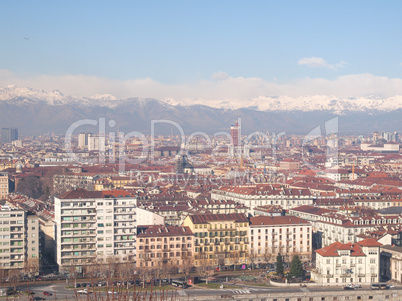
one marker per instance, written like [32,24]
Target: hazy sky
[196,49]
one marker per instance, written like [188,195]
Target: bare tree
[252,257]
[112,263]
[31,267]
[267,256]
[205,269]
[187,265]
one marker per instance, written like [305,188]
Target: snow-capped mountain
[264,103]
[36,111]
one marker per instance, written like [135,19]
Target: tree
[296,267]
[279,264]
[252,258]
[205,269]
[31,186]
[187,265]
[32,267]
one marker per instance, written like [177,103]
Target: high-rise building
[3,185]
[235,133]
[8,135]
[19,240]
[83,140]
[95,226]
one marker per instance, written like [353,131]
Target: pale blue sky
[182,42]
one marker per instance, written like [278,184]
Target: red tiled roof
[203,219]
[276,220]
[369,242]
[156,231]
[332,250]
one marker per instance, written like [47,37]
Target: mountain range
[35,112]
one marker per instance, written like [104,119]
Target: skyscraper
[8,135]
[235,133]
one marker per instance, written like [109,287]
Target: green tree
[279,264]
[296,267]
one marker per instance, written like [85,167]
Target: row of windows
[273,230]
[227,226]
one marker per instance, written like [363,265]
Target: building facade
[4,188]
[253,196]
[92,226]
[219,239]
[164,247]
[287,235]
[8,135]
[19,239]
[339,264]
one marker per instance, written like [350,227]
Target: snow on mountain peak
[103,97]
[20,95]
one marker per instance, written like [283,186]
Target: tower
[235,133]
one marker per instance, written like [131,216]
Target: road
[60,292]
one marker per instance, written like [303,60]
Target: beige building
[391,263]
[287,235]
[19,239]
[3,185]
[164,247]
[47,233]
[220,239]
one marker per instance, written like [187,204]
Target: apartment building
[3,185]
[253,196]
[391,263]
[66,182]
[335,227]
[219,239]
[339,264]
[19,239]
[94,226]
[287,235]
[164,247]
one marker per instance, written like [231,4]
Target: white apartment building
[3,185]
[287,235]
[264,194]
[19,239]
[339,264]
[335,227]
[92,226]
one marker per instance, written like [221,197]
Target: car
[47,294]
[112,292]
[84,291]
[38,298]
[348,287]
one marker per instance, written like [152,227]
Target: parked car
[348,287]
